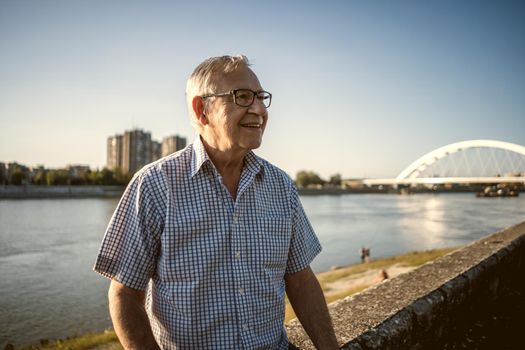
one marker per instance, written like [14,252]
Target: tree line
[64,177]
[305,179]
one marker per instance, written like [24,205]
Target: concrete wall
[436,304]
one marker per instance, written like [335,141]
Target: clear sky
[362,88]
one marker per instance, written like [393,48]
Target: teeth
[252,125]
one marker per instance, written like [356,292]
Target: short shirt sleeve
[131,243]
[304,245]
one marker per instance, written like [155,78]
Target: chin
[252,145]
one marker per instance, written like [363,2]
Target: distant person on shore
[204,242]
[365,254]
[383,275]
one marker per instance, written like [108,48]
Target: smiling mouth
[252,125]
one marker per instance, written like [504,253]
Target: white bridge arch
[413,173]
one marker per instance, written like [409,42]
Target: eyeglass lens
[245,98]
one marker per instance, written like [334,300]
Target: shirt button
[241,291]
[235,220]
[237,255]
[245,327]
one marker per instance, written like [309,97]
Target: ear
[197,104]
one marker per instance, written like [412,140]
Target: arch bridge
[465,162]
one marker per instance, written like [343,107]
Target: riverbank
[36,192]
[336,284]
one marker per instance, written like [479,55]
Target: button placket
[237,250]
[237,254]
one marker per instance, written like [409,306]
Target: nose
[258,108]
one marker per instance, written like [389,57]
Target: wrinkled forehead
[242,77]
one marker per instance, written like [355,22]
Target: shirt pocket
[274,235]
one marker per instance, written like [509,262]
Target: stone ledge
[418,308]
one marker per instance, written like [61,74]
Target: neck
[229,164]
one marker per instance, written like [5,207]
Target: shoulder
[155,179]
[273,173]
[166,167]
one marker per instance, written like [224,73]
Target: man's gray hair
[204,78]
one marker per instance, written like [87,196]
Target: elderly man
[204,242]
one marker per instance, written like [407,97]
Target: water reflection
[392,224]
[423,222]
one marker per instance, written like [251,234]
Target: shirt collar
[199,156]
[252,163]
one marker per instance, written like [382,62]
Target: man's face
[231,127]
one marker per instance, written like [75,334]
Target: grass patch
[408,259]
[83,342]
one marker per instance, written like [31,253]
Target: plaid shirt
[213,267]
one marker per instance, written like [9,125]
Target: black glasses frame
[234,94]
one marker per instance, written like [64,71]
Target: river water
[48,246]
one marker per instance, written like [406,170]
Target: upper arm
[118,290]
[299,279]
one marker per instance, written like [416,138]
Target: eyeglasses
[245,97]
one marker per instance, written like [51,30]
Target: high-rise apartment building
[172,144]
[135,148]
[114,152]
